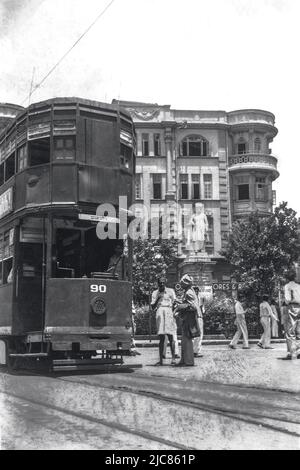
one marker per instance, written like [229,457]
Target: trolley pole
[149,300]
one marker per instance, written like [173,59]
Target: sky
[191,54]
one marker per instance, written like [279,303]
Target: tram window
[10,167]
[1,174]
[78,252]
[7,270]
[64,143]
[64,148]
[39,151]
[126,156]
[32,256]
[22,157]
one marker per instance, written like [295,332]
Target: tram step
[94,362]
[30,355]
[99,367]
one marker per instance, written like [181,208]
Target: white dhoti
[165,321]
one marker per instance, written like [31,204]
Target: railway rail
[271,416]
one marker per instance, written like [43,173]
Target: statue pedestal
[199,266]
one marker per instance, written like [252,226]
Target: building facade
[8,112]
[220,159]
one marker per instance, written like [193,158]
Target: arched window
[194,146]
[257,144]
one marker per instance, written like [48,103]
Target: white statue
[198,227]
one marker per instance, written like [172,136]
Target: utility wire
[68,52]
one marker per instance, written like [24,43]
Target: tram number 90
[95,288]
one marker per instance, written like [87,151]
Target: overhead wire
[68,51]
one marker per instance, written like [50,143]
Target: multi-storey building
[7,113]
[221,159]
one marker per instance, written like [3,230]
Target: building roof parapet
[143,113]
[251,116]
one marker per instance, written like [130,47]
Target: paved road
[230,400]
[255,367]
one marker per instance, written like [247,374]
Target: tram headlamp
[98,306]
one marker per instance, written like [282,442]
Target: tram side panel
[93,314]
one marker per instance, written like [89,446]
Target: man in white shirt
[292,326]
[241,325]
[197,342]
[162,302]
[266,314]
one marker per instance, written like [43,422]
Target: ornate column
[170,195]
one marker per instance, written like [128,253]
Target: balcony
[253,161]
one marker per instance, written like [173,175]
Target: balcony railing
[254,160]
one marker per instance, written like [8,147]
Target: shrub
[219,318]
[142,321]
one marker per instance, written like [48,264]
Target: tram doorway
[31,261]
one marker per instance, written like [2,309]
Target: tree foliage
[151,259]
[260,249]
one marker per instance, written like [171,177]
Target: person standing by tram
[187,311]
[162,302]
[115,265]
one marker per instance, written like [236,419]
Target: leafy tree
[152,258]
[260,249]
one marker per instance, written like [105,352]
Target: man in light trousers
[266,314]
[197,342]
[241,325]
[292,324]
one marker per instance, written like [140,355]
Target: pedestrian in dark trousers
[186,311]
[292,325]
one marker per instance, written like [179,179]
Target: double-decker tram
[65,294]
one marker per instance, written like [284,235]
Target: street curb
[220,342]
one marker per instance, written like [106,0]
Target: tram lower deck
[68,294]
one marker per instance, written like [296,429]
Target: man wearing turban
[187,311]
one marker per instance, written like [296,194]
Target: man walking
[197,342]
[266,314]
[241,325]
[292,326]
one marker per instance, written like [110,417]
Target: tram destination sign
[99,218]
[6,202]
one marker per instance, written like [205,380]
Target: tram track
[115,426]
[265,411]
[261,419]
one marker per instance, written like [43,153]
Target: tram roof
[68,101]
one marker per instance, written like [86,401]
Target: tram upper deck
[65,151]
